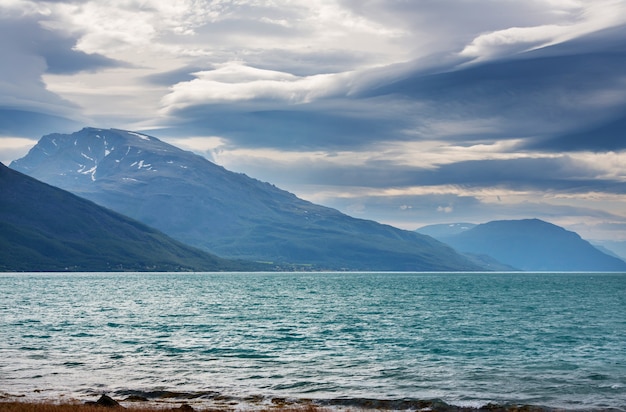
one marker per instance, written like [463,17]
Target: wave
[212,399]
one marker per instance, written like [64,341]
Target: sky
[407,112]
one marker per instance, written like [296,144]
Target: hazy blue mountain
[615,248]
[533,245]
[446,230]
[43,228]
[229,214]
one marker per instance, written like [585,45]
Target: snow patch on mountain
[141,164]
[139,135]
[91,172]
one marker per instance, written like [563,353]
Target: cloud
[598,137]
[409,185]
[296,127]
[307,62]
[400,111]
[513,39]
[27,106]
[561,173]
[27,36]
[588,18]
[32,124]
[451,208]
[537,96]
[219,31]
[235,82]
[12,148]
[537,100]
[170,77]
[117,26]
[20,82]
[452,25]
[406,166]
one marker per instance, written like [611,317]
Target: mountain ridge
[229,214]
[44,228]
[530,245]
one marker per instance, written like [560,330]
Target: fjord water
[552,339]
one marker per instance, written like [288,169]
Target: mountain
[232,215]
[533,245]
[43,228]
[615,248]
[446,230]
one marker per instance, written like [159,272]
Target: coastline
[170,401]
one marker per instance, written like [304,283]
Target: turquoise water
[551,339]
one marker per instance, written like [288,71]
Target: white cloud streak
[12,148]
[583,18]
[234,82]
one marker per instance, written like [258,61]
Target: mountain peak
[93,153]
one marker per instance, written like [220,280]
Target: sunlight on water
[545,339]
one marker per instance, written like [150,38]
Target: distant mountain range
[615,248]
[43,228]
[530,245]
[229,214]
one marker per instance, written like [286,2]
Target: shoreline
[219,403]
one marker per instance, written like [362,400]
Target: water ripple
[550,339]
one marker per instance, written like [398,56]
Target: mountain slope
[230,214]
[534,245]
[43,228]
[615,248]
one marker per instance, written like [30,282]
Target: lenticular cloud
[238,82]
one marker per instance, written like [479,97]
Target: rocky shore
[171,403]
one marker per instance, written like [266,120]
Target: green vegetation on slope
[43,228]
